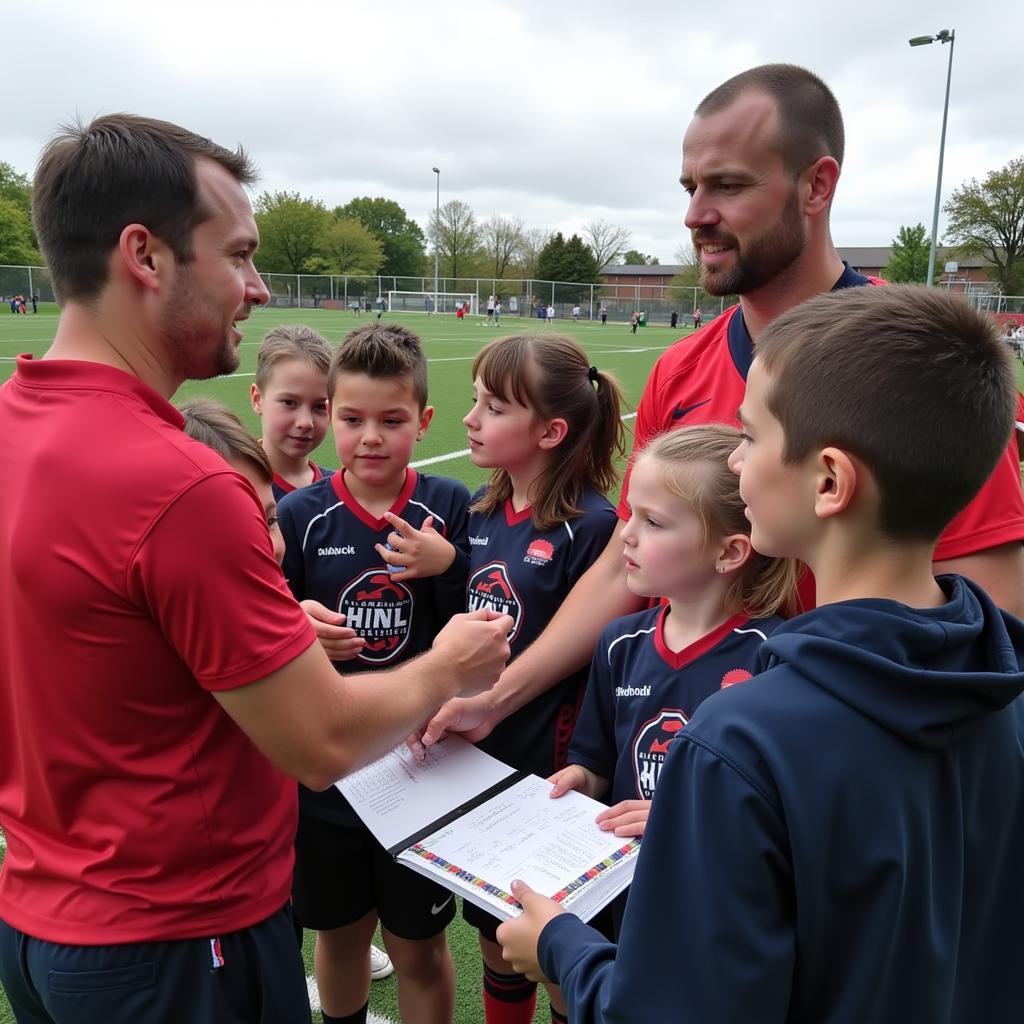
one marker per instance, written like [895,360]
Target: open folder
[473,824]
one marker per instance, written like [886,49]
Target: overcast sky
[558,111]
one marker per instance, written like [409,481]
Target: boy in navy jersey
[335,531]
[839,839]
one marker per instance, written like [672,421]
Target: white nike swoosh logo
[438,908]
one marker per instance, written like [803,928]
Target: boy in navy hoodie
[840,839]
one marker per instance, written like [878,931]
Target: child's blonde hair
[291,341]
[694,465]
[552,375]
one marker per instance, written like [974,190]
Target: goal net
[423,302]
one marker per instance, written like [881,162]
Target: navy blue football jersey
[330,557]
[280,487]
[524,572]
[640,693]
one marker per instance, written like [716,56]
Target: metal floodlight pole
[947,35]
[437,229]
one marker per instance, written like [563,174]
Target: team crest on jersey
[491,587]
[380,611]
[734,676]
[539,552]
[651,747]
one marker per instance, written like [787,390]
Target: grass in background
[450,346]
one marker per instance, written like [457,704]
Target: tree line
[374,235]
[368,236]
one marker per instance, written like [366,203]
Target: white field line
[464,452]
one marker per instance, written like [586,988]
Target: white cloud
[556,112]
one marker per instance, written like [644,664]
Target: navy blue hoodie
[840,839]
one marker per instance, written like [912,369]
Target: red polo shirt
[136,575]
[702,379]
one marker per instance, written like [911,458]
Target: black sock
[359,1017]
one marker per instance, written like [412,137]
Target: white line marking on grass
[434,459]
[314,1003]
[440,458]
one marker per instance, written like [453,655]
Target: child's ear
[836,482]
[256,399]
[425,417]
[554,434]
[733,552]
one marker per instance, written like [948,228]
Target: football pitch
[450,346]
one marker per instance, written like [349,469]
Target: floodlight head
[436,170]
[922,40]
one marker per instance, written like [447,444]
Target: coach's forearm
[317,726]
[569,640]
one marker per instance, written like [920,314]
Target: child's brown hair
[291,341]
[381,351]
[216,426]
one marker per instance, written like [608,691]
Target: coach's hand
[339,641]
[475,649]
[473,718]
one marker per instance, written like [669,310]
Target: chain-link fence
[26,281]
[518,297]
[526,297]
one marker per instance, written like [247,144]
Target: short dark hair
[910,380]
[212,423]
[810,121]
[381,351]
[92,181]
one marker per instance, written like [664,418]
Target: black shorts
[252,974]
[342,873]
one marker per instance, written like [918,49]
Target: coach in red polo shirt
[158,683]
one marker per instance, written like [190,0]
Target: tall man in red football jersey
[160,689]
[761,161]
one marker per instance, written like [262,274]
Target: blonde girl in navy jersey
[687,542]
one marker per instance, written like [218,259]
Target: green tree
[402,238]
[456,237]
[347,247]
[635,258]
[908,259]
[17,244]
[16,188]
[570,261]
[987,219]
[292,229]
